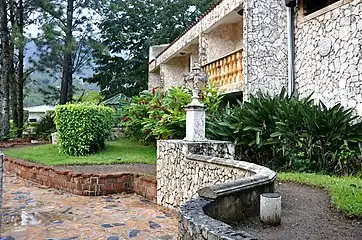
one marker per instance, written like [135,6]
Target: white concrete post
[54,138]
[271,208]
[195,123]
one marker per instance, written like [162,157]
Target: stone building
[250,45]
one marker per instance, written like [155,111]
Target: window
[311,6]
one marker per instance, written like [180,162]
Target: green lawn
[121,151]
[346,192]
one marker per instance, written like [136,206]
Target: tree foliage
[64,40]
[128,29]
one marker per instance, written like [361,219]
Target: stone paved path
[34,212]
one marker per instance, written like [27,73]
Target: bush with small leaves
[82,128]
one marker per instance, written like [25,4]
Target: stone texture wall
[154,79]
[265,55]
[223,40]
[172,72]
[329,57]
[179,178]
[193,53]
[86,184]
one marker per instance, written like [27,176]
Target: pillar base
[195,123]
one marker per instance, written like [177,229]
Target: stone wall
[265,55]
[222,41]
[154,79]
[172,72]
[193,52]
[86,184]
[328,55]
[179,178]
[209,215]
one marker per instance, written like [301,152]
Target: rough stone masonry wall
[265,55]
[178,178]
[222,41]
[154,79]
[329,56]
[172,72]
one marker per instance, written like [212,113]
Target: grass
[345,192]
[120,151]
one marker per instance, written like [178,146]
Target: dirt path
[112,168]
[306,215]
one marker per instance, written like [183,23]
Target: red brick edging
[11,144]
[85,184]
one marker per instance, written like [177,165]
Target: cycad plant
[291,133]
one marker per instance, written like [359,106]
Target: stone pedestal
[195,123]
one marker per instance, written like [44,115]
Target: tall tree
[128,29]
[66,93]
[21,78]
[13,81]
[4,70]
[63,42]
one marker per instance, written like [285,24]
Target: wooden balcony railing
[226,71]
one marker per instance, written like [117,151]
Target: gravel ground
[113,168]
[307,214]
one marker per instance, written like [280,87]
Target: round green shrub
[82,128]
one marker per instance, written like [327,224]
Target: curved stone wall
[208,216]
[179,178]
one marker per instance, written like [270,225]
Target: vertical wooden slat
[226,70]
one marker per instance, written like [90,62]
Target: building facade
[243,47]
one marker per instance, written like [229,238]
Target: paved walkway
[34,212]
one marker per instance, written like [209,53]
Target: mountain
[39,80]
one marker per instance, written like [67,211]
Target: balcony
[226,73]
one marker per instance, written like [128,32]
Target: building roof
[116,100]
[189,27]
[40,109]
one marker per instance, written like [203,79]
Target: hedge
[82,128]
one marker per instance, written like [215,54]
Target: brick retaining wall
[85,184]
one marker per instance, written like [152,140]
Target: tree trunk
[66,93]
[4,71]
[21,79]
[13,82]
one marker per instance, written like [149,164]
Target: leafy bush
[292,133]
[46,126]
[82,128]
[161,115]
[326,137]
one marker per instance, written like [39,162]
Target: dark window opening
[311,6]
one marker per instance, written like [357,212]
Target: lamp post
[195,111]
